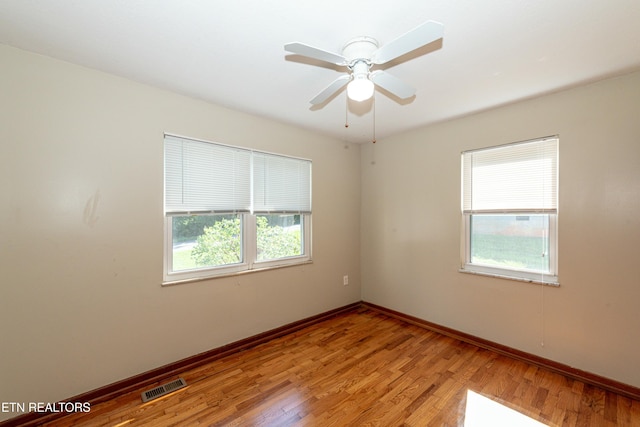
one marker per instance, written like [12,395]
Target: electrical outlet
[345,280]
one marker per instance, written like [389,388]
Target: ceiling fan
[361,53]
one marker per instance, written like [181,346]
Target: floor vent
[163,389]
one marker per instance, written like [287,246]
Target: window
[230,209]
[510,210]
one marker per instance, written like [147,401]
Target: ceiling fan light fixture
[360,54]
[360,89]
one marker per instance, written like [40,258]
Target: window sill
[507,277]
[233,274]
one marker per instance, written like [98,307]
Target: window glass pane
[203,241]
[511,241]
[279,236]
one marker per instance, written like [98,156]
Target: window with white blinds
[511,178]
[510,210]
[231,209]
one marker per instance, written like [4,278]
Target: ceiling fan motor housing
[359,49]
[360,69]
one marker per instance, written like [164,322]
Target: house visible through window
[231,209]
[510,210]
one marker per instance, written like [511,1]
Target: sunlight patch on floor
[484,412]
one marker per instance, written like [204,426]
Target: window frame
[550,278]
[171,276]
[305,236]
[248,227]
[248,263]
[525,275]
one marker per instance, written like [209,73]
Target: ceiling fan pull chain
[346,111]
[374,119]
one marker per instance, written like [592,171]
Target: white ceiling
[231,52]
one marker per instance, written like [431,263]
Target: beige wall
[81,231]
[410,228]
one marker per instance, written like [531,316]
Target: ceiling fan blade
[392,84]
[335,86]
[422,35]
[315,53]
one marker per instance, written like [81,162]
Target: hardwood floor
[366,369]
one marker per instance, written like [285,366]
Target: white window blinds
[281,184]
[205,177]
[511,178]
